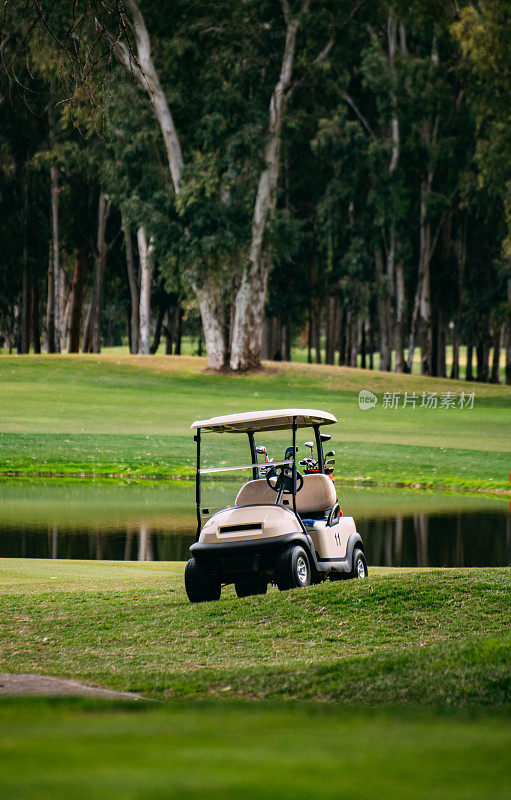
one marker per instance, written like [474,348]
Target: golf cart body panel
[284,528]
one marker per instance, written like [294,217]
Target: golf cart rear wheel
[359,564]
[200,583]
[292,569]
[251,586]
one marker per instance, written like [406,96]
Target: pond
[399,527]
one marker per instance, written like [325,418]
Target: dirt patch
[49,686]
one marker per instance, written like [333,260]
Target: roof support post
[253,454]
[197,485]
[294,464]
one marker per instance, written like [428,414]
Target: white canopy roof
[279,419]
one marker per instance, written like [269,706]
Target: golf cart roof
[279,419]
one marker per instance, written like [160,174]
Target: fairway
[326,657]
[244,751]
[130,417]
[130,626]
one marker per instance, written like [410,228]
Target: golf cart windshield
[225,463]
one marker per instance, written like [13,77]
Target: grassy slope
[130,416]
[81,750]
[434,637]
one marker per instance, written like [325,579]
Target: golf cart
[285,526]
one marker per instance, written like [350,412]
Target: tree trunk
[508,354]
[440,363]
[469,376]
[65,316]
[391,42]
[53,316]
[421,316]
[425,332]
[53,267]
[50,306]
[163,305]
[58,282]
[26,299]
[317,331]
[394,295]
[134,289]
[309,334]
[143,69]
[35,316]
[92,336]
[251,296]
[179,330]
[355,339]
[77,293]
[363,346]
[169,331]
[330,331]
[400,304]
[371,343]
[482,357]
[145,254]
[461,258]
[342,337]
[266,341]
[383,313]
[495,367]
[210,307]
[349,336]
[24,330]
[508,335]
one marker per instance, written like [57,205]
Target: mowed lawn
[437,637]
[397,686]
[130,416]
[83,750]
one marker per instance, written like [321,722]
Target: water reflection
[475,538]
[434,540]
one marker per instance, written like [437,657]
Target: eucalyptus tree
[483,35]
[232,46]
[23,208]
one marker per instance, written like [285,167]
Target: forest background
[259,175]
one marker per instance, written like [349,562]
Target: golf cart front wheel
[250,587]
[200,583]
[292,569]
[359,564]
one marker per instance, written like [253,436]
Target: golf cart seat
[317,495]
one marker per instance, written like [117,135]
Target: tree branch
[321,57]
[124,55]
[357,111]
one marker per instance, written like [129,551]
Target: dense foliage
[388,228]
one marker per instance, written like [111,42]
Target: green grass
[189,347]
[89,750]
[428,637]
[130,417]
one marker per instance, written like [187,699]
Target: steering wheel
[284,475]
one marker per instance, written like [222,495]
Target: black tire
[251,586]
[292,569]
[359,569]
[201,583]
